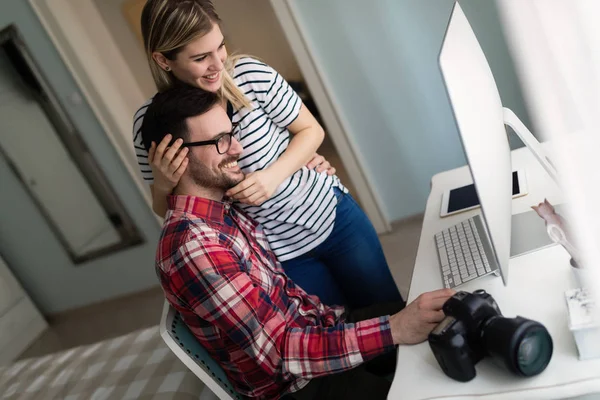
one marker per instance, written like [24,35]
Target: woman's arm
[259,186]
[159,202]
[307,136]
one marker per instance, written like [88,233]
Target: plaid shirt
[268,334]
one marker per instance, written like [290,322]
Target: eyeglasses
[222,142]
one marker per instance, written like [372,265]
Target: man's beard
[203,176]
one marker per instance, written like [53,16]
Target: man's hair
[171,108]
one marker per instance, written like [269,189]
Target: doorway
[32,118]
[74,230]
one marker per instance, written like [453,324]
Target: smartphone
[465,198]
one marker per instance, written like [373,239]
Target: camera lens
[534,351]
[524,346]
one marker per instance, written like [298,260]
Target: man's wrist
[395,328]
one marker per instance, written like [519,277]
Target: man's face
[208,168]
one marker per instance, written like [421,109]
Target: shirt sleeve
[273,93]
[213,283]
[138,146]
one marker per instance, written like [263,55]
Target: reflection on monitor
[479,117]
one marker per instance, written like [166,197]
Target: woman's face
[200,63]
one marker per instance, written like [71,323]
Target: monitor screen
[478,114]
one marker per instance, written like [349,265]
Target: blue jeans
[349,267]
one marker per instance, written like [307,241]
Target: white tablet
[465,198]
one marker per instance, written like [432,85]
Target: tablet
[465,198]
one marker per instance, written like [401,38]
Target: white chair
[186,347]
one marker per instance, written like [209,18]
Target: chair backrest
[186,347]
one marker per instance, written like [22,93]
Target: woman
[324,241]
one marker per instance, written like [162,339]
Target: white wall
[127,42]
[251,27]
[556,46]
[380,58]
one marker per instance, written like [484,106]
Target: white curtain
[556,48]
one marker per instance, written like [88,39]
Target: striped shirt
[268,334]
[301,213]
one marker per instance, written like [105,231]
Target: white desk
[536,286]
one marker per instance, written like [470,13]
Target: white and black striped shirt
[301,213]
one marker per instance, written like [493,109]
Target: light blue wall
[26,242]
[380,58]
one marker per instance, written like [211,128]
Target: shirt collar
[200,207]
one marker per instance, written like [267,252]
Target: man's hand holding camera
[417,319]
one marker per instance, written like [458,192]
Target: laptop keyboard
[464,254]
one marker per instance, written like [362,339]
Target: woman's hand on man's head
[168,163]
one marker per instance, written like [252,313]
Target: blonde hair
[169,25]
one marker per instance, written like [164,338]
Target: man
[216,269]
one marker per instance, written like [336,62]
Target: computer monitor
[479,117]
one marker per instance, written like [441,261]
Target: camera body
[475,328]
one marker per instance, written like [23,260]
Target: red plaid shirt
[268,334]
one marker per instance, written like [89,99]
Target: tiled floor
[120,316]
[400,247]
[98,322]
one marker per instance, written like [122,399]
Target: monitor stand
[530,141]
[528,232]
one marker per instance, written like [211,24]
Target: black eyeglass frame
[214,141]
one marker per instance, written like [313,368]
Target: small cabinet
[10,290]
[20,321]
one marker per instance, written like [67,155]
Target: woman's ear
[161,60]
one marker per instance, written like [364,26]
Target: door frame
[76,26]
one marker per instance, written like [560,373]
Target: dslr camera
[475,328]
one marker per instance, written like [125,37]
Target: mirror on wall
[46,153]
